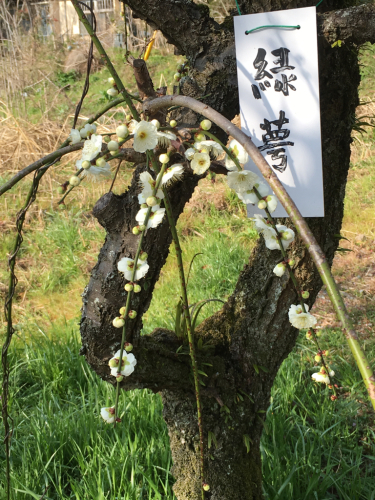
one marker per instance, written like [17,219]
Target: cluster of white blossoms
[92,161]
[273,237]
[245,182]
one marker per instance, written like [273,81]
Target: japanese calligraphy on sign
[279,101]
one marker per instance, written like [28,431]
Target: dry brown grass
[22,142]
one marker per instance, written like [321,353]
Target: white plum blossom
[155,218]
[74,136]
[249,196]
[260,223]
[92,147]
[189,153]
[148,184]
[173,173]
[132,125]
[126,266]
[165,138]
[108,414]
[128,363]
[88,129]
[239,152]
[270,236]
[145,137]
[271,203]
[200,163]
[242,181]
[94,172]
[279,269]
[300,319]
[287,235]
[321,377]
[212,147]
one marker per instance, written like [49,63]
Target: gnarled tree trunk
[252,328]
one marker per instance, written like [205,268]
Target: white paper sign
[278,87]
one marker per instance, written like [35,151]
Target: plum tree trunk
[252,328]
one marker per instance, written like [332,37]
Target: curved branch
[303,229]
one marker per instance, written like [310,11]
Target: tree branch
[183,23]
[355,25]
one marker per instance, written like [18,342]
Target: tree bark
[252,328]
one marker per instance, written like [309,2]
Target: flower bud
[137,288]
[100,162]
[122,131]
[206,125]
[156,123]
[128,347]
[173,123]
[113,362]
[144,205]
[318,333]
[132,314]
[118,322]
[74,180]
[128,118]
[122,311]
[135,230]
[318,358]
[151,201]
[113,146]
[180,67]
[106,139]
[262,204]
[199,137]
[60,190]
[143,256]
[164,158]
[305,295]
[112,92]
[119,378]
[111,81]
[177,77]
[325,353]
[85,165]
[142,227]
[291,262]
[279,269]
[333,397]
[206,487]
[309,336]
[129,287]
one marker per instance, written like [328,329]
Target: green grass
[311,448]
[61,441]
